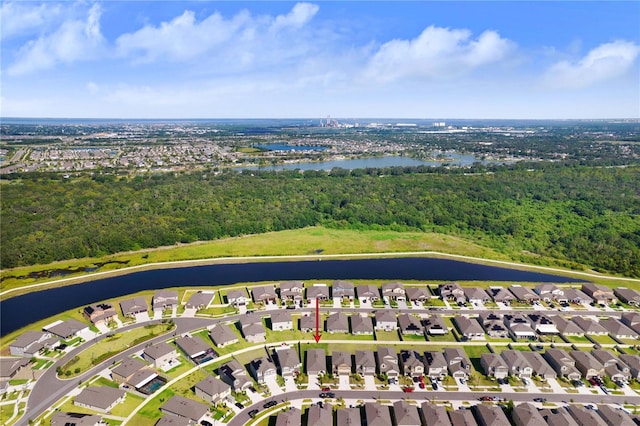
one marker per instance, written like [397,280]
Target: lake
[21,311]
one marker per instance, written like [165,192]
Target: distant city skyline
[420,59]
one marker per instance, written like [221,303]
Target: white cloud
[437,52]
[22,18]
[605,62]
[74,40]
[298,17]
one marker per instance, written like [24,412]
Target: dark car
[270,404]
[323,395]
[434,386]
[540,399]
[331,395]
[253,413]
[239,405]
[415,379]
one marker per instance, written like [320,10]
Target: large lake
[21,311]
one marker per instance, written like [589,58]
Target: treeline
[576,214]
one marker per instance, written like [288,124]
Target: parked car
[434,386]
[239,405]
[415,379]
[253,413]
[270,404]
[326,389]
[421,384]
[540,399]
[407,389]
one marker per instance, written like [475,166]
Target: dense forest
[577,214]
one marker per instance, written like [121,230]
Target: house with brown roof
[494,366]
[292,290]
[344,290]
[412,364]
[308,323]
[618,330]
[365,362]
[587,364]
[435,366]
[434,325]
[212,389]
[348,416]
[10,366]
[633,362]
[490,415]
[539,366]
[265,295]
[316,363]
[341,363]
[613,367]
[590,326]
[101,313]
[476,295]
[367,293]
[469,328]
[575,295]
[526,414]
[289,417]
[180,406]
[222,335]
[160,354]
[66,329]
[542,323]
[199,300]
[452,292]
[60,418]
[165,299]
[500,294]
[584,416]
[549,292]
[262,368]
[417,294]
[409,324]
[317,292]
[134,306]
[234,374]
[628,295]
[555,417]
[394,291]
[361,324]
[406,414]
[435,415]
[320,416]
[567,327]
[337,323]
[29,343]
[288,361]
[252,328]
[599,293]
[462,417]
[562,363]
[631,320]
[99,398]
[457,362]
[613,416]
[387,361]
[517,364]
[237,297]
[524,294]
[281,320]
[376,414]
[519,326]
[194,347]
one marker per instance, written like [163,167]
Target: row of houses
[403,413]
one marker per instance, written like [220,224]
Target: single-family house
[417,294]
[186,408]
[289,417]
[457,362]
[406,414]
[10,366]
[376,414]
[549,292]
[222,335]
[349,416]
[99,398]
[264,294]
[567,327]
[435,415]
[199,300]
[490,415]
[341,363]
[476,295]
[262,368]
[344,290]
[361,324]
[462,417]
[493,325]
[618,330]
[123,372]
[60,418]
[562,363]
[587,364]
[452,292]
[435,365]
[500,295]
[281,320]
[555,417]
[164,299]
[316,363]
[234,374]
[29,343]
[589,326]
[195,348]
[412,364]
[134,306]
[575,295]
[409,324]
[434,325]
[160,354]
[517,364]
[629,296]
[212,389]
[288,361]
[252,328]
[526,414]
[394,291]
[99,314]
[237,297]
[613,367]
[386,320]
[539,366]
[584,416]
[542,323]
[469,328]
[599,293]
[318,292]
[387,361]
[365,362]
[524,294]
[494,366]
[337,323]
[519,326]
[66,329]
[633,362]
[308,323]
[320,415]
[631,320]
[292,290]
[614,416]
[367,293]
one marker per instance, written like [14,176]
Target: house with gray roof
[265,295]
[29,343]
[99,398]
[348,417]
[633,362]
[584,416]
[524,294]
[519,326]
[493,325]
[292,290]
[434,415]
[316,362]
[589,326]
[406,414]
[417,294]
[222,335]
[199,300]
[526,414]
[631,320]
[234,374]
[462,417]
[575,295]
[434,325]
[308,323]
[320,416]
[394,291]
[10,366]
[494,366]
[159,354]
[435,366]
[262,368]
[212,389]
[500,294]
[237,297]
[617,330]
[66,329]
[123,372]
[516,363]
[361,324]
[599,293]
[376,414]
[344,290]
[628,295]
[180,406]
[317,292]
[281,320]
[452,292]
[101,313]
[164,299]
[386,320]
[341,363]
[132,307]
[587,364]
[337,323]
[409,324]
[567,327]
[412,364]
[469,328]
[252,328]
[476,295]
[613,367]
[193,347]
[542,323]
[614,416]
[549,292]
[539,366]
[288,361]
[557,417]
[387,361]
[367,293]
[173,421]
[562,363]
[365,362]
[457,362]
[490,415]
[290,417]
[61,418]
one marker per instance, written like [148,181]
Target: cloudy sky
[419,59]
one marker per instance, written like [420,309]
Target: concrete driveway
[370,383]
[272,384]
[343,383]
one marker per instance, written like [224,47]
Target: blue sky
[419,59]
